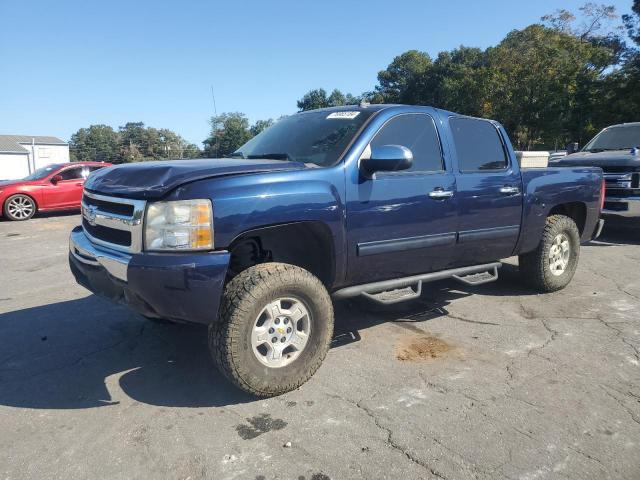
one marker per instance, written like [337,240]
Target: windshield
[318,137]
[40,173]
[615,138]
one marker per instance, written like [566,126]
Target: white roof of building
[15,143]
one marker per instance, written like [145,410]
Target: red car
[55,187]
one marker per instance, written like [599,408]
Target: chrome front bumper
[629,206]
[114,262]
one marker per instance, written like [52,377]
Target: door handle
[508,190]
[440,193]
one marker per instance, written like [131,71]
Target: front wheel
[552,265]
[19,207]
[274,330]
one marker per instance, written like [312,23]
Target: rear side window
[418,133]
[478,145]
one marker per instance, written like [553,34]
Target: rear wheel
[19,207]
[274,330]
[552,265]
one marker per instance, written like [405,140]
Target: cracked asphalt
[490,382]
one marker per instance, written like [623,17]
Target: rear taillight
[603,188]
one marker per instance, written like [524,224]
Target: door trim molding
[488,233]
[408,243]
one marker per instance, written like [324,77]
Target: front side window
[316,137]
[418,133]
[478,145]
[71,174]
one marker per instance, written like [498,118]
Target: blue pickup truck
[368,201]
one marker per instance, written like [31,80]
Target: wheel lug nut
[277,321]
[286,320]
[271,330]
[274,340]
[289,330]
[282,339]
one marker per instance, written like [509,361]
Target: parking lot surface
[486,382]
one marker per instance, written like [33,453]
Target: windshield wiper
[598,150]
[272,156]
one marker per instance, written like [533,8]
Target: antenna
[215,113]
[213,97]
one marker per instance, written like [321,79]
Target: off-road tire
[534,266]
[25,198]
[244,298]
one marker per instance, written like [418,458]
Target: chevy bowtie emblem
[90,215]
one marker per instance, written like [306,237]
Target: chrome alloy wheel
[559,254]
[281,332]
[20,208]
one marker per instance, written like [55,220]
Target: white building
[20,155]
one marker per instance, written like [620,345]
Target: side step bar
[388,292]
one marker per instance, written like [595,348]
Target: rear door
[397,225]
[489,192]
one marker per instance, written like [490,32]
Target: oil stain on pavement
[258,425]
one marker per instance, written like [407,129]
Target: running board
[479,278]
[388,292]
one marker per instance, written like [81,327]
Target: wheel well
[308,245]
[575,210]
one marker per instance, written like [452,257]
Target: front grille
[113,222]
[626,180]
[110,207]
[106,234]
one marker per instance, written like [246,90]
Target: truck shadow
[359,314]
[89,353]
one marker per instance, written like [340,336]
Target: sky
[68,64]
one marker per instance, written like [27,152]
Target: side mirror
[55,179]
[573,147]
[388,158]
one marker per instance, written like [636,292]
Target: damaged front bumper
[175,286]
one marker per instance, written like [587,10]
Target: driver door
[397,226]
[67,192]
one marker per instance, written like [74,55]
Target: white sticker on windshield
[344,115]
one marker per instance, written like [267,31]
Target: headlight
[179,225]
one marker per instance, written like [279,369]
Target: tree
[133,142]
[632,22]
[229,131]
[543,85]
[457,81]
[313,100]
[259,126]
[95,143]
[398,83]
[318,98]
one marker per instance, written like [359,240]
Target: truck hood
[152,180]
[614,158]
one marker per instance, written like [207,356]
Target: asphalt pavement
[487,382]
